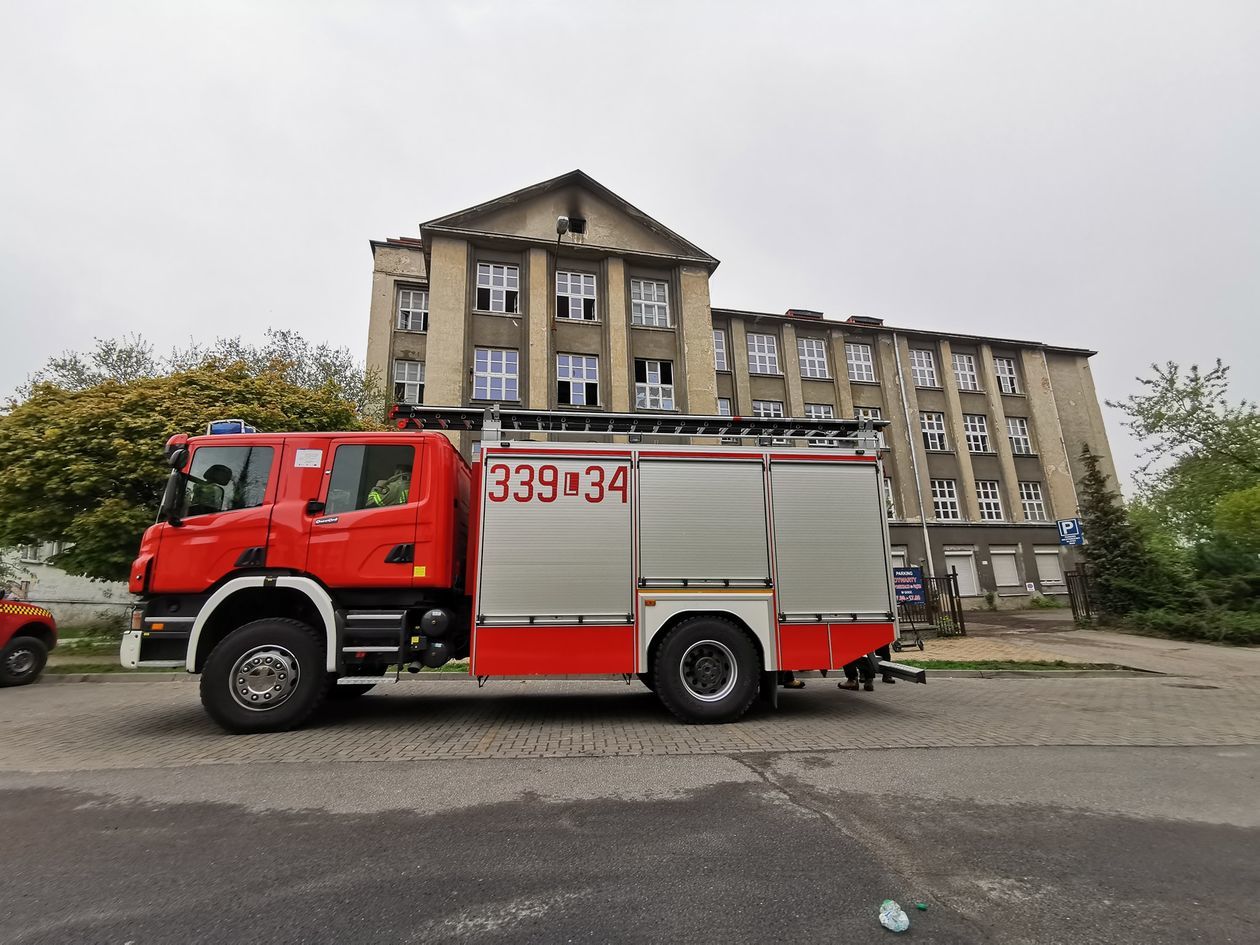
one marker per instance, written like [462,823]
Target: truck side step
[902,671]
[365,680]
[369,649]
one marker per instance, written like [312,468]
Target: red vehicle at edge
[287,568]
[27,634]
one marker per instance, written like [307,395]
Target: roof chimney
[864,320]
[803,313]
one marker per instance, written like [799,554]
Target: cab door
[364,536]
[223,517]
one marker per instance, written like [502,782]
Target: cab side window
[225,479]
[369,477]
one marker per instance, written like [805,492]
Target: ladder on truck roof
[496,422]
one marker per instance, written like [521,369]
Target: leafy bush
[1042,602]
[1238,627]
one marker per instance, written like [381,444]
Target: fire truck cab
[287,568]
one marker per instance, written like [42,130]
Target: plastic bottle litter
[892,917]
[921,906]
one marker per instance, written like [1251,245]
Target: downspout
[914,460]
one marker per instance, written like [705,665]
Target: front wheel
[707,670]
[22,660]
[266,676]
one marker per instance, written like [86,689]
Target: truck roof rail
[494,421]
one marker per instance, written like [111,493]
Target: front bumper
[148,648]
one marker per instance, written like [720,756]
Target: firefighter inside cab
[391,491]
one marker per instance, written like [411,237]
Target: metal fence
[1078,594]
[941,609]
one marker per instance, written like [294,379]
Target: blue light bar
[218,427]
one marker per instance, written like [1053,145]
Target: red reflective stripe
[554,651]
[800,458]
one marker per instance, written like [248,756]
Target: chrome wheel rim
[264,678]
[708,670]
[20,662]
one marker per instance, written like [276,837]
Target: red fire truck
[286,568]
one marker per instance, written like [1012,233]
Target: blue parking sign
[1070,532]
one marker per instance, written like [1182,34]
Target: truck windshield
[224,479]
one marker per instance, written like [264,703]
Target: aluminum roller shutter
[703,520]
[567,557]
[829,539]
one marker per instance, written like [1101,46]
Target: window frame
[928,369]
[511,276]
[927,434]
[941,497]
[978,436]
[581,296]
[1025,436]
[1027,499]
[589,361]
[399,309]
[659,302]
[965,367]
[890,497]
[183,505]
[989,500]
[490,375]
[331,507]
[647,390]
[769,353]
[812,361]
[772,414]
[1003,378]
[856,364]
[405,382]
[721,351]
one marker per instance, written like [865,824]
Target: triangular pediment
[612,222]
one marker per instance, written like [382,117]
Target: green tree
[82,463]
[1125,575]
[1238,519]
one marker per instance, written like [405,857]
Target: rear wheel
[22,660]
[707,670]
[267,676]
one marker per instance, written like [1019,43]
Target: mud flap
[769,695]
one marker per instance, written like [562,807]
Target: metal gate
[941,609]
[1078,594]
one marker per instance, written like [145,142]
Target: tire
[22,660]
[707,671]
[266,676]
[647,680]
[342,693]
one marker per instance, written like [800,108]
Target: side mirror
[177,457]
[314,507]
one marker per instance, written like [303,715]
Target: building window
[649,303]
[495,374]
[413,309]
[923,367]
[720,363]
[861,363]
[653,384]
[1005,562]
[945,500]
[1031,499]
[1007,379]
[498,288]
[408,382]
[965,372]
[763,354]
[890,502]
[577,380]
[31,554]
[1049,566]
[813,355]
[976,427]
[868,413]
[933,427]
[990,499]
[767,408]
[821,412]
[724,407]
[1017,430]
[575,296]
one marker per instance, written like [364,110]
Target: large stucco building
[487,305]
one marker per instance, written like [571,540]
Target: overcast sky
[1083,174]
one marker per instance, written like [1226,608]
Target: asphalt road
[1039,845]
